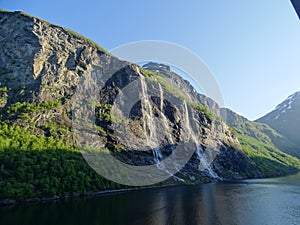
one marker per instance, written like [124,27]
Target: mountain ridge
[270,139]
[285,120]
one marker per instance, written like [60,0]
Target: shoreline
[41,200]
[11,202]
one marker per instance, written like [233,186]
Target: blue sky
[252,47]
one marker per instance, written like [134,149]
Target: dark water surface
[264,201]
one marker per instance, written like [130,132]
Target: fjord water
[261,201]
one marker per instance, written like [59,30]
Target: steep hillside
[184,86]
[256,140]
[259,141]
[286,121]
[42,69]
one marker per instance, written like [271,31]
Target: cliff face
[185,86]
[37,56]
[269,132]
[42,67]
[42,64]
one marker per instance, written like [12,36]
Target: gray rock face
[184,86]
[232,118]
[40,63]
[37,56]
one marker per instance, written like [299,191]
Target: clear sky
[252,47]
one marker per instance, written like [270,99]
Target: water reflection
[266,201]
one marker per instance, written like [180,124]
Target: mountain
[183,85]
[260,136]
[49,75]
[258,140]
[285,120]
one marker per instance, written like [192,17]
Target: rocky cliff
[185,86]
[273,131]
[43,63]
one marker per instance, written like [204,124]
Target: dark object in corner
[296,4]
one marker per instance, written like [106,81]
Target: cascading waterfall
[163,121]
[161,95]
[201,156]
[205,165]
[151,127]
[157,159]
[157,155]
[149,123]
[187,122]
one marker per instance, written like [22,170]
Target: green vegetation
[56,130]
[202,108]
[170,88]
[259,147]
[175,91]
[269,160]
[39,166]
[31,16]
[100,130]
[103,113]
[3,10]
[25,107]
[3,89]
[89,41]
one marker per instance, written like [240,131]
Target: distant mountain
[285,119]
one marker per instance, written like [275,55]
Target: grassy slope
[256,141]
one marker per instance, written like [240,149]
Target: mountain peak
[285,119]
[295,95]
[287,104]
[158,67]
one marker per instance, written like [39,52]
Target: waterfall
[161,96]
[204,164]
[156,129]
[187,117]
[157,159]
[157,155]
[149,123]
